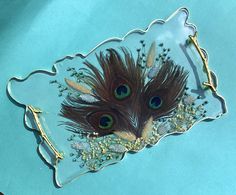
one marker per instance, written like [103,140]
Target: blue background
[33,34]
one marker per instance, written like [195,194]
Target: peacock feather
[125,102]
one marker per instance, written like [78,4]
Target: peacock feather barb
[125,102]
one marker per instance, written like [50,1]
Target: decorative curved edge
[54,71]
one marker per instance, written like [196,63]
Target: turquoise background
[33,34]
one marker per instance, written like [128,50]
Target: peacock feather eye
[122,91]
[155,102]
[106,121]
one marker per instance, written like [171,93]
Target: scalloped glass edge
[115,39]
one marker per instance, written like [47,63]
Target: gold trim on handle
[44,136]
[209,83]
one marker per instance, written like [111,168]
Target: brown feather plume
[124,101]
